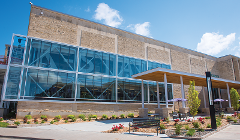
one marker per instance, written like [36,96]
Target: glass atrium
[46,70]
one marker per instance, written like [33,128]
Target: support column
[182,90]
[166,92]
[143,112]
[219,97]
[158,95]
[205,109]
[229,109]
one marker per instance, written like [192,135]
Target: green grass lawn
[3,124]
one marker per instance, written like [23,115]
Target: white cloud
[214,43]
[142,29]
[87,10]
[110,16]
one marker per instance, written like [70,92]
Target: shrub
[70,116]
[122,116]
[11,115]
[28,117]
[239,117]
[176,120]
[84,119]
[74,119]
[162,126]
[43,116]
[218,122]
[94,116]
[114,116]
[235,120]
[65,118]
[196,124]
[42,121]
[200,129]
[51,122]
[28,122]
[3,124]
[167,120]
[66,121]
[104,116]
[36,122]
[209,126]
[25,120]
[186,127]
[58,117]
[81,116]
[89,118]
[178,129]
[131,115]
[17,123]
[1,119]
[117,117]
[190,132]
[229,117]
[207,117]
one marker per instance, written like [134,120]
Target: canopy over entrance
[173,76]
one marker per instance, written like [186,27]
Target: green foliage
[51,122]
[28,117]
[122,116]
[89,118]
[114,116]
[94,116]
[55,120]
[193,100]
[81,116]
[167,120]
[70,116]
[104,116]
[43,116]
[162,126]
[207,117]
[229,117]
[3,124]
[36,122]
[178,129]
[58,117]
[209,126]
[235,120]
[1,119]
[190,132]
[74,119]
[234,98]
[66,121]
[42,121]
[84,119]
[131,115]
[218,122]
[17,123]
[11,115]
[200,129]
[28,122]
[187,127]
[196,124]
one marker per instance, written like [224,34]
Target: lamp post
[211,103]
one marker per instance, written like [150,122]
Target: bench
[144,123]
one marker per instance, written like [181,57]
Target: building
[68,65]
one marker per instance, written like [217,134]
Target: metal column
[166,92]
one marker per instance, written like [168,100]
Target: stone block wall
[51,109]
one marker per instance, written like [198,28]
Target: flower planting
[116,127]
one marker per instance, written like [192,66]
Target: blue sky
[211,27]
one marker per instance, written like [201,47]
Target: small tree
[193,100]
[234,99]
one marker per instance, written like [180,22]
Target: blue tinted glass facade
[41,69]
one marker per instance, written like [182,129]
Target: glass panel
[35,53]
[126,68]
[18,50]
[105,66]
[90,62]
[98,62]
[144,65]
[72,60]
[31,84]
[112,65]
[132,67]
[83,60]
[120,66]
[55,56]
[27,52]
[23,81]
[108,89]
[150,65]
[138,66]
[13,82]
[170,94]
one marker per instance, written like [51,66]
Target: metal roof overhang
[173,76]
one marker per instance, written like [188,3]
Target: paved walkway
[232,132]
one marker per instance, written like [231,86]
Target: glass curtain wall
[51,70]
